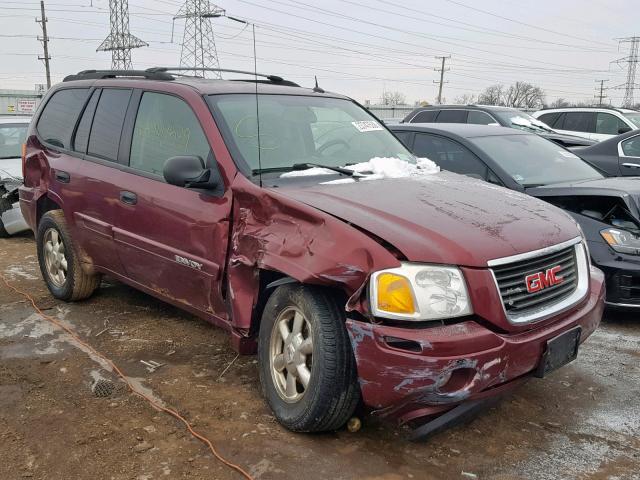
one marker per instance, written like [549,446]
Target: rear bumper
[436,368]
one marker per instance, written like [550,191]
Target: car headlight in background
[622,241]
[419,292]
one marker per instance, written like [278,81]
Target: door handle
[62,177]
[631,165]
[128,198]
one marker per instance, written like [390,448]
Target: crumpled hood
[627,188]
[10,167]
[442,218]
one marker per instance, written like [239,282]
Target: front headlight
[419,292]
[621,240]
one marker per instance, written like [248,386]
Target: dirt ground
[582,422]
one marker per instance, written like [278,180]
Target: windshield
[534,161]
[634,118]
[522,121]
[301,129]
[12,136]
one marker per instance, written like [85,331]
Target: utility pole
[601,96]
[632,62]
[45,43]
[198,43]
[119,41]
[441,70]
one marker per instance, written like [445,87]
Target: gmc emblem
[541,280]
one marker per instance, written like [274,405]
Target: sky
[360,48]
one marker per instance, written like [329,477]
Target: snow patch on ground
[375,169]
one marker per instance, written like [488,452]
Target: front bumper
[13,221]
[407,373]
[622,275]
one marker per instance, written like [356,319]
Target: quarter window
[82,134]
[449,155]
[165,127]
[59,116]
[106,129]
[631,147]
[480,118]
[426,116]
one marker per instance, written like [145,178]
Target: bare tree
[466,99]
[492,95]
[560,103]
[393,98]
[523,94]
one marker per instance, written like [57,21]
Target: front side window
[480,118]
[449,155]
[534,161]
[296,129]
[58,119]
[633,118]
[609,124]
[12,136]
[165,127]
[631,147]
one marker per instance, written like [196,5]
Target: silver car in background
[13,131]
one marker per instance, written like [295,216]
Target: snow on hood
[375,169]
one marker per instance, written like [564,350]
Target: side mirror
[624,129]
[188,171]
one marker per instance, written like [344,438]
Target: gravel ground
[582,422]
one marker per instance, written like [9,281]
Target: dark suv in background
[359,273]
[492,115]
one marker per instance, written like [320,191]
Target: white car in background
[593,123]
[13,132]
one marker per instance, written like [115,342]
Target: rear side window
[579,122]
[82,133]
[549,118]
[449,155]
[426,116]
[631,147]
[59,116]
[452,116]
[609,124]
[480,118]
[106,129]
[165,127]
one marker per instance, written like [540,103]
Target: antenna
[317,89]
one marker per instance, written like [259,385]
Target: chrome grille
[511,280]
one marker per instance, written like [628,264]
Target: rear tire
[307,368]
[59,263]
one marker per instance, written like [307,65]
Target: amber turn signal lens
[395,294]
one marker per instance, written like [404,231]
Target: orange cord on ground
[152,402]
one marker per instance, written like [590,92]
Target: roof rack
[162,73]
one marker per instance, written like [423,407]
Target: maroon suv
[358,272]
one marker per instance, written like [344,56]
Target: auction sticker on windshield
[367,126]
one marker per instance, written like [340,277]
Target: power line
[119,41]
[45,43]
[441,70]
[198,43]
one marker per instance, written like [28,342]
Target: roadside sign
[26,105]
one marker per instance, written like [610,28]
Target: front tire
[307,368]
[59,263]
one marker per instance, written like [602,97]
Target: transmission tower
[119,41]
[632,62]
[198,44]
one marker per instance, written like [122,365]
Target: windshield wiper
[344,171]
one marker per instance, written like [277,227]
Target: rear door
[172,241]
[629,156]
